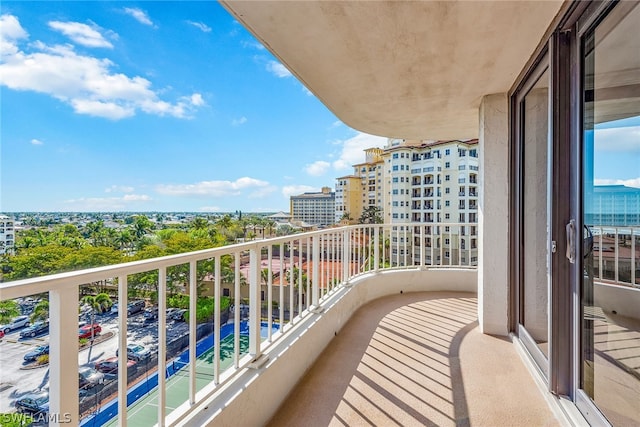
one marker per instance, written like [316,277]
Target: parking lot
[18,379]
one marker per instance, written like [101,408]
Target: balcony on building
[391,325]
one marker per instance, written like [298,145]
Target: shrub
[15,420]
[43,359]
[83,341]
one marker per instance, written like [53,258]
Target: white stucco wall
[264,390]
[493,216]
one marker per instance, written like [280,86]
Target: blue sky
[155,106]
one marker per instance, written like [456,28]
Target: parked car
[179,315]
[114,308]
[85,331]
[135,307]
[17,323]
[89,377]
[171,311]
[137,352]
[110,365]
[151,312]
[36,403]
[37,328]
[1,334]
[37,352]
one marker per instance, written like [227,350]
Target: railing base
[317,309]
[259,362]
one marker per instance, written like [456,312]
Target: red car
[1,334]
[85,331]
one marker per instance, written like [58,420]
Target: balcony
[285,327]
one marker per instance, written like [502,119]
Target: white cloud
[139,15]
[136,198]
[306,91]
[105,203]
[201,26]
[352,149]
[618,139]
[212,188]
[237,122]
[85,83]
[335,124]
[634,182]
[119,189]
[252,44]
[317,168]
[81,34]
[196,100]
[277,69]
[294,190]
[36,142]
[10,32]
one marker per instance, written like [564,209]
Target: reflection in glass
[535,222]
[611,207]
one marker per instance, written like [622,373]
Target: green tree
[371,215]
[98,304]
[8,310]
[141,226]
[40,311]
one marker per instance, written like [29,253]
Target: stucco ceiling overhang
[402,69]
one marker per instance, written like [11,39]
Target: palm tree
[199,223]
[40,311]
[8,310]
[98,303]
[141,226]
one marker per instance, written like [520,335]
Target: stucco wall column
[493,216]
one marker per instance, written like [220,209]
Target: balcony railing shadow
[416,359]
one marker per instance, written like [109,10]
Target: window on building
[395,155]
[446,216]
[446,190]
[447,165]
[395,167]
[447,177]
[447,203]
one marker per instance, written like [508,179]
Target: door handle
[571,241]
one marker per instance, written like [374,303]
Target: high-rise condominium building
[364,188]
[434,182]
[7,235]
[314,208]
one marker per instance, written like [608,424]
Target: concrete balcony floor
[417,359]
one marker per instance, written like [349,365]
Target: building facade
[362,189]
[613,205]
[7,235]
[314,208]
[435,182]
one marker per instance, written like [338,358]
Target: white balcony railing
[286,279]
[614,256]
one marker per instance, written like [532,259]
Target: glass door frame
[582,25]
[541,66]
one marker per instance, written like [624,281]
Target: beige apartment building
[364,188]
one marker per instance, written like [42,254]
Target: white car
[17,323]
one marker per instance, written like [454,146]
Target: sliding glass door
[609,318]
